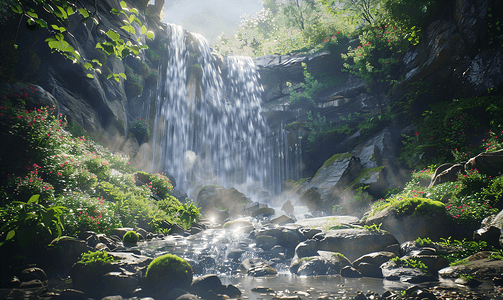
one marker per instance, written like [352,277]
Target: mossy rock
[142,177]
[130,238]
[167,272]
[418,206]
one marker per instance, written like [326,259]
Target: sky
[209,17]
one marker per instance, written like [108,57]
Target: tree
[53,15]
[354,11]
[298,13]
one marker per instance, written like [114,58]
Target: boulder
[327,263]
[288,207]
[306,249]
[266,242]
[488,163]
[398,272]
[411,225]
[243,225]
[282,220]
[213,198]
[324,223]
[350,272]
[68,250]
[122,276]
[479,266]
[369,264]
[256,267]
[331,179]
[354,243]
[210,285]
[446,173]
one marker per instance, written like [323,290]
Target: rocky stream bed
[261,258]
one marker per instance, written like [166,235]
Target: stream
[220,252]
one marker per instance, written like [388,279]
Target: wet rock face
[450,54]
[354,243]
[409,227]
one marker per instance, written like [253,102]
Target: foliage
[474,197]
[409,262]
[310,88]
[96,258]
[23,220]
[423,241]
[87,214]
[463,249]
[130,238]
[169,271]
[96,187]
[466,277]
[140,129]
[353,11]
[280,28]
[134,86]
[54,16]
[373,227]
[496,254]
[188,214]
[454,130]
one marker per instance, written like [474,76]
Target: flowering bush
[96,187]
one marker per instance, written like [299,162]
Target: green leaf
[60,29]
[70,11]
[97,62]
[15,46]
[47,218]
[33,199]
[17,9]
[88,65]
[143,29]
[84,12]
[110,76]
[10,235]
[134,11]
[129,29]
[125,52]
[64,16]
[150,35]
[123,4]
[135,50]
[113,35]
[123,75]
[32,14]
[42,23]
[90,75]
[115,11]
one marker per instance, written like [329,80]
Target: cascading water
[208,124]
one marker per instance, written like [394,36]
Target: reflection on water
[315,286]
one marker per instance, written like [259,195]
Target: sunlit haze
[209,18]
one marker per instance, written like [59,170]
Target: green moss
[301,181]
[364,175]
[335,158]
[130,238]
[96,258]
[340,255]
[414,206]
[167,272]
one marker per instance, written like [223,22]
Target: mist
[209,18]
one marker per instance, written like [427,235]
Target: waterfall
[209,127]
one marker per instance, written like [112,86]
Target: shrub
[96,258]
[167,272]
[130,238]
[140,129]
